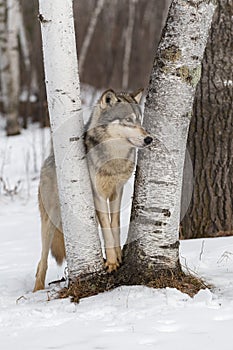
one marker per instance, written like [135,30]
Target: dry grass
[186,283]
[83,288]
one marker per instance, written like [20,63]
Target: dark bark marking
[171,54]
[189,75]
[72,139]
[171,246]
[160,223]
[166,212]
[42,19]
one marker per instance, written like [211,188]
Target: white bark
[89,34]
[13,28]
[176,72]
[31,83]
[10,76]
[23,40]
[62,82]
[128,43]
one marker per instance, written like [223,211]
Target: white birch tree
[12,31]
[153,241]
[9,63]
[83,249]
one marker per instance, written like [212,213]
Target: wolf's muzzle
[148,140]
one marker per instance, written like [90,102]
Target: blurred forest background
[116,43]
[104,63]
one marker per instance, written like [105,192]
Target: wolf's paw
[111,263]
[110,267]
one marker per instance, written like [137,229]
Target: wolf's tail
[58,247]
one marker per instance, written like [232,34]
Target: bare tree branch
[128,43]
[89,34]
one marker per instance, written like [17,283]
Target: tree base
[95,284]
[186,283]
[87,286]
[137,269]
[12,128]
[13,133]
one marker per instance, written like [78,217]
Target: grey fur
[112,135]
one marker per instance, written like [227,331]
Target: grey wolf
[112,135]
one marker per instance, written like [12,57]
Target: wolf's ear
[108,98]
[137,95]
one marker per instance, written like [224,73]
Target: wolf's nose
[148,140]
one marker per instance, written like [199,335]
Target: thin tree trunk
[153,240]
[3,50]
[24,45]
[89,35]
[13,52]
[82,242]
[23,40]
[210,137]
[128,43]
[10,78]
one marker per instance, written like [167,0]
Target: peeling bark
[152,244]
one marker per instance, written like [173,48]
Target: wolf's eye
[129,120]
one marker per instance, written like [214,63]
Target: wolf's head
[119,115]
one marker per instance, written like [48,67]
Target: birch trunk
[9,52]
[23,40]
[83,248]
[153,241]
[128,43]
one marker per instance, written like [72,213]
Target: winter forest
[116,193]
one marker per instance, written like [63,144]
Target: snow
[134,317]
[24,97]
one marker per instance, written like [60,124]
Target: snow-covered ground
[127,317]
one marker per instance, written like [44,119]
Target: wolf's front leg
[115,207]
[103,216]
